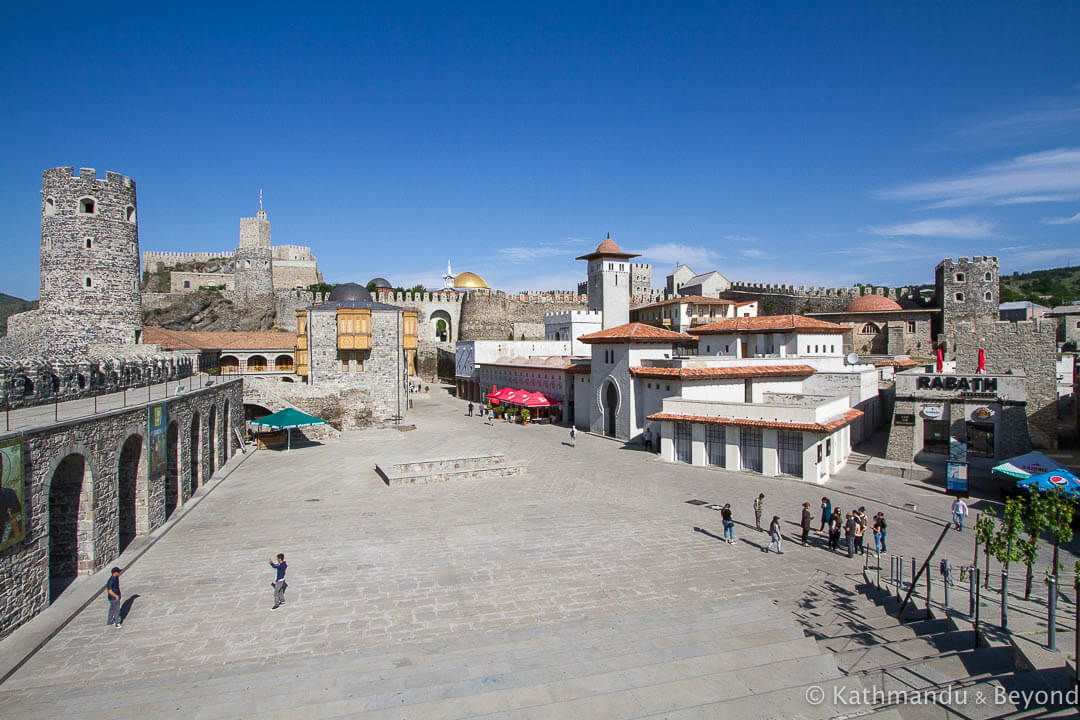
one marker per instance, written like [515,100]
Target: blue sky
[808,144]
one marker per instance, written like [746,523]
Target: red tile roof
[636,332]
[827,427]
[206,340]
[742,371]
[767,323]
[578,369]
[872,303]
[608,248]
[903,363]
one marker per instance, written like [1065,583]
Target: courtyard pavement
[593,531]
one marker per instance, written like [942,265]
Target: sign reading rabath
[951,382]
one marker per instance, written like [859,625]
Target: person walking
[807,518]
[759,507]
[883,526]
[112,588]
[959,512]
[491,418]
[470,409]
[826,513]
[849,534]
[775,538]
[573,436]
[648,439]
[877,533]
[836,523]
[279,584]
[729,524]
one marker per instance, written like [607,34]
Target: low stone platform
[422,472]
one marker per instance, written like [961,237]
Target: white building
[684,312]
[471,355]
[571,325]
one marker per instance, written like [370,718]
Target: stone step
[735,627]
[958,667]
[965,702]
[901,652]
[836,642]
[784,703]
[575,699]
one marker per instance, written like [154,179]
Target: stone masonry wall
[1027,346]
[24,568]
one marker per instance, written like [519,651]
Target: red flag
[982,362]
[940,360]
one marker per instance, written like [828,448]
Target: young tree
[984,535]
[1060,515]
[1035,519]
[1004,543]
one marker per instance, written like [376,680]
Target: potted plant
[525,416]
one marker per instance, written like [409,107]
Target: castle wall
[781,299]
[1029,347]
[186,282]
[153,260]
[493,316]
[290,274]
[25,567]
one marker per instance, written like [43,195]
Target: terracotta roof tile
[693,300]
[578,369]
[636,332]
[827,427]
[742,371]
[608,248]
[206,340]
[767,323]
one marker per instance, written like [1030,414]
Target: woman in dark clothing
[826,512]
[807,518]
[835,524]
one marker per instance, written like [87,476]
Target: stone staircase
[924,657]
[740,659]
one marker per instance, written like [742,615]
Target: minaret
[448,278]
[609,282]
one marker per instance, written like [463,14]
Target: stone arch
[211,437]
[256,363]
[131,476]
[609,406]
[441,326]
[283,363]
[194,444]
[87,206]
[254,412]
[172,468]
[71,521]
[229,364]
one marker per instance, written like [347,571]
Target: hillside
[10,305]
[1055,286]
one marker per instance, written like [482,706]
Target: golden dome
[469,281]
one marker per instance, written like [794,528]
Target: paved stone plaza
[596,533]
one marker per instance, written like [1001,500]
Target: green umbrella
[287,419]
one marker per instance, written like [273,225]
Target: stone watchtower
[967,290]
[254,257]
[609,282]
[89,261]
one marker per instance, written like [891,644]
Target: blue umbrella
[1060,479]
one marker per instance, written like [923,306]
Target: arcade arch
[71,522]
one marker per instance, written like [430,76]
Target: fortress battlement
[568,315]
[36,381]
[962,261]
[87,174]
[153,260]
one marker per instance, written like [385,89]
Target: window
[89,282]
[129,214]
[50,206]
[750,448]
[936,436]
[828,446]
[911,326]
[959,277]
[980,439]
[815,348]
[989,276]
[789,447]
[832,348]
[748,391]
[683,452]
[959,297]
[988,296]
[187,284]
[668,388]
[707,349]
[868,329]
[715,445]
[88,242]
[87,206]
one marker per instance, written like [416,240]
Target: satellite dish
[852,358]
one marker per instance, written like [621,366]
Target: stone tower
[967,290]
[254,257]
[89,261]
[609,282]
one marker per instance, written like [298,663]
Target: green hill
[1056,286]
[10,305]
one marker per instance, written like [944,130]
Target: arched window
[50,206]
[960,297]
[868,329]
[959,277]
[87,206]
[88,242]
[989,295]
[89,282]
[989,276]
[129,214]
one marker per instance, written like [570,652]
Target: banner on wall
[157,448]
[12,493]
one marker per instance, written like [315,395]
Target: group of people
[853,526]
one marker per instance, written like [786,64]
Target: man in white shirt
[959,512]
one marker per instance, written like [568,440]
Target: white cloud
[1053,172]
[1062,221]
[1047,254]
[697,257]
[1027,199]
[755,253]
[958,228]
[522,255]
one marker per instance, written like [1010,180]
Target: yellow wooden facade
[301,350]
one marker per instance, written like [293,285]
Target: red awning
[520,397]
